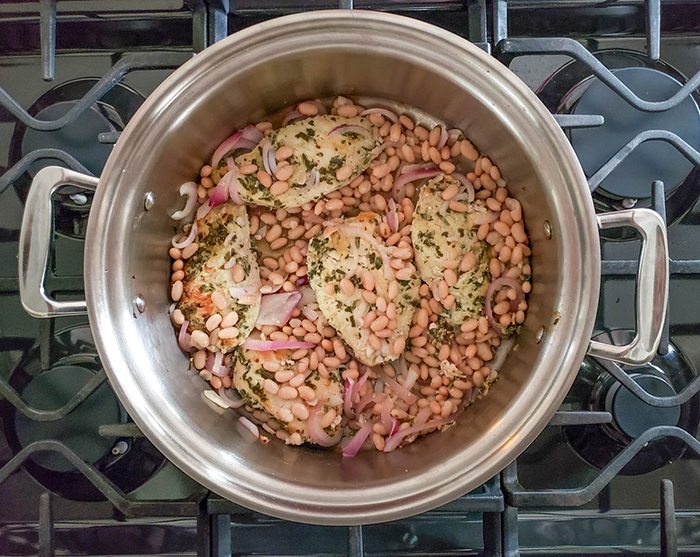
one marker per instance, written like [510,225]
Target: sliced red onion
[400,390]
[383,111]
[268,157]
[190,190]
[413,167]
[215,398]
[302,281]
[232,181]
[360,383]
[309,313]
[313,178]
[267,345]
[454,133]
[395,440]
[307,296]
[347,397]
[366,400]
[394,426]
[236,141]
[392,217]
[360,437]
[411,378]
[350,128]
[187,241]
[292,116]
[386,416]
[232,403]
[422,416]
[183,338]
[443,138]
[250,426]
[276,309]
[251,133]
[318,435]
[494,287]
[203,211]
[213,364]
[466,183]
[220,193]
[415,175]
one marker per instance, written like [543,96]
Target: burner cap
[654,160]
[79,429]
[634,416]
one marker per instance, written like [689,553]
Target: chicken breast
[346,250]
[249,377]
[223,236]
[321,147]
[441,235]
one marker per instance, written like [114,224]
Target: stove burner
[655,159]
[574,89]
[665,375]
[127,462]
[79,139]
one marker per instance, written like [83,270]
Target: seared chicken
[223,236]
[353,248]
[321,147]
[442,235]
[249,377]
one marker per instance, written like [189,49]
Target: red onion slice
[276,309]
[383,111]
[396,439]
[213,364]
[348,393]
[187,241]
[360,437]
[268,157]
[443,138]
[183,338]
[400,390]
[318,435]
[292,116]
[190,190]
[267,345]
[412,167]
[394,426]
[250,426]
[251,133]
[392,217]
[203,211]
[220,193]
[232,403]
[313,178]
[415,175]
[466,183]
[422,416]
[302,281]
[350,128]
[231,178]
[495,286]
[242,139]
[369,398]
[386,416]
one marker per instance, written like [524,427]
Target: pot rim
[343,506]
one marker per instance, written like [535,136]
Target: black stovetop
[588,485]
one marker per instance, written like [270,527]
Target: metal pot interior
[260,71]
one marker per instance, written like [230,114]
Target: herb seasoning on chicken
[306,160]
[221,283]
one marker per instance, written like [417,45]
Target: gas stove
[615,472]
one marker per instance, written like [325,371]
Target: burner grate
[500,499]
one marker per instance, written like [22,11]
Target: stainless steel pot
[259,71]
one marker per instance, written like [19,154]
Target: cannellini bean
[228,332]
[288,393]
[176,290]
[343,173]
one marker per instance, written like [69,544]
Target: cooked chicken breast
[353,248]
[321,147]
[223,236]
[249,377]
[441,235]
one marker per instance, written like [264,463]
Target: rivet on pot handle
[35,242]
[652,287]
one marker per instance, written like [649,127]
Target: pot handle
[35,242]
[652,287]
